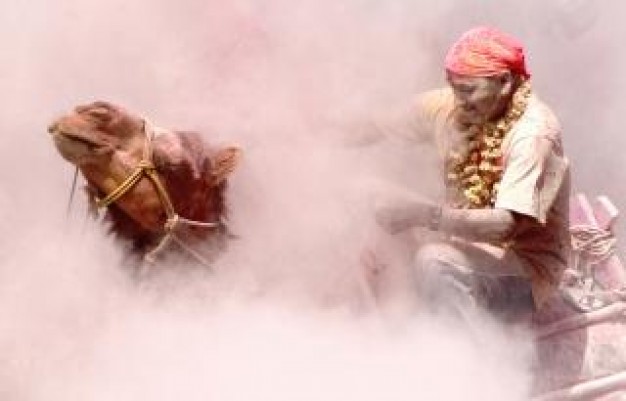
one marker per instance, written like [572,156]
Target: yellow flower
[478,182]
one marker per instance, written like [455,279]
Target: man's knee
[434,268]
[427,266]
[429,256]
[435,259]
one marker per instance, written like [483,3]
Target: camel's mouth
[62,138]
[77,147]
[81,139]
[67,134]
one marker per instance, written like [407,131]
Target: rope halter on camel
[146,168]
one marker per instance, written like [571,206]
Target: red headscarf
[484,52]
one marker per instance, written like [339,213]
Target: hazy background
[278,78]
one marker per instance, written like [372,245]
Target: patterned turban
[484,52]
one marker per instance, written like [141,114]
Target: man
[505,218]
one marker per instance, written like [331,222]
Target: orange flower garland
[476,172]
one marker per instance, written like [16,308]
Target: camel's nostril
[52,128]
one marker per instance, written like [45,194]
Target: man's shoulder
[538,121]
[434,103]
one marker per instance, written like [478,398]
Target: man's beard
[465,119]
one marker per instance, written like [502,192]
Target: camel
[157,186]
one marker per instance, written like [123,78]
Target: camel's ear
[225,162]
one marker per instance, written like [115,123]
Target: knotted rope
[594,244]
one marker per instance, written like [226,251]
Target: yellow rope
[126,185]
[161,192]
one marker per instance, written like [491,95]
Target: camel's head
[93,132]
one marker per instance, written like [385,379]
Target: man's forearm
[484,225]
[478,224]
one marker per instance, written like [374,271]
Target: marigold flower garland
[475,173]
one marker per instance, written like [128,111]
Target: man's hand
[401,216]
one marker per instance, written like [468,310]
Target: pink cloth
[484,52]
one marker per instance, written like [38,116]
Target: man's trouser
[459,278]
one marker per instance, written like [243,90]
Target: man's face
[479,99]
